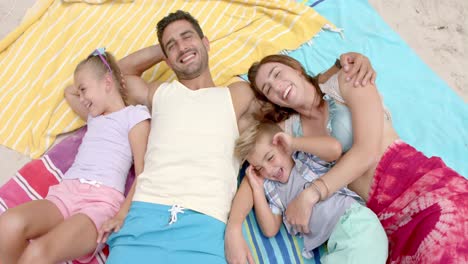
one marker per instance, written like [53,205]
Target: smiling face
[92,90]
[270,161]
[186,52]
[281,84]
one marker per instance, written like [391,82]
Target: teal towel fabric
[426,112]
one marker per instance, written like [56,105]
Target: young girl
[354,232]
[79,212]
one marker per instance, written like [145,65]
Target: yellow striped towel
[38,58]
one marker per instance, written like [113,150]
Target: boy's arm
[245,105]
[73,99]
[325,147]
[269,222]
[138,137]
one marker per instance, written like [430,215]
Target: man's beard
[193,71]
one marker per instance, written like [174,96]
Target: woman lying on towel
[421,203]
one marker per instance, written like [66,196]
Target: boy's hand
[255,180]
[111,225]
[357,68]
[284,141]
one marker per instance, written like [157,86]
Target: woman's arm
[236,249]
[138,138]
[367,120]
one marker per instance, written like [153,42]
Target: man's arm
[132,67]
[356,66]
[141,60]
[245,104]
[236,249]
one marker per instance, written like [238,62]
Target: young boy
[281,167]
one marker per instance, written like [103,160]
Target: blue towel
[426,112]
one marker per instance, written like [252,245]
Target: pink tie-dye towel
[422,205]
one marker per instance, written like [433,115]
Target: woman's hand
[300,209]
[255,180]
[236,249]
[357,68]
[111,225]
[284,141]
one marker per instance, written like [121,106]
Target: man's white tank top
[190,155]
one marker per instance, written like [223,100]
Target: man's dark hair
[172,17]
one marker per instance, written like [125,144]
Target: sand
[435,30]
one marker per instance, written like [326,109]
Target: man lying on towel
[183,196]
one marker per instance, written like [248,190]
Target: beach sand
[435,30]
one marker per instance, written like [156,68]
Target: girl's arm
[138,137]
[138,140]
[73,99]
[269,223]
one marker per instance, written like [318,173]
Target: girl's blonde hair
[251,135]
[101,68]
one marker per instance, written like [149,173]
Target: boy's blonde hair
[247,140]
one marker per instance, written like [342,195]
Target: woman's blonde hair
[101,68]
[250,136]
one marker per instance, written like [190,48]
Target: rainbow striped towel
[38,58]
